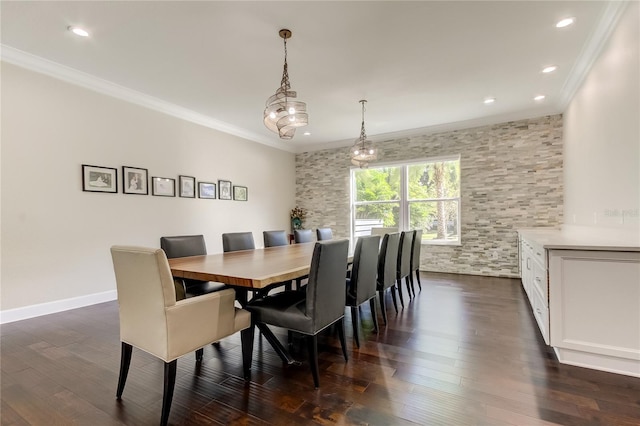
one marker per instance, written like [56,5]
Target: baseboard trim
[32,311]
[610,364]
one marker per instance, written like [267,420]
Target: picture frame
[163,187]
[187,185]
[99,179]
[134,180]
[224,189]
[240,193]
[207,190]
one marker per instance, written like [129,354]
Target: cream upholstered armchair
[152,320]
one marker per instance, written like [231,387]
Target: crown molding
[591,51]
[70,75]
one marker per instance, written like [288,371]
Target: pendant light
[283,113]
[363,151]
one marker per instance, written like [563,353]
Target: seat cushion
[285,309]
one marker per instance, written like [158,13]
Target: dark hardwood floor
[466,351]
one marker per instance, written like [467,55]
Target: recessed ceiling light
[488,101]
[550,68]
[307,133]
[565,22]
[538,98]
[79,31]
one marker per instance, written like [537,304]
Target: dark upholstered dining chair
[275,238]
[153,320]
[415,259]
[323,234]
[361,285]
[387,270]
[189,245]
[235,241]
[302,235]
[404,263]
[311,311]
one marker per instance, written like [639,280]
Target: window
[418,195]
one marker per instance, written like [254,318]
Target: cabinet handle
[537,279]
[538,311]
[538,254]
[528,259]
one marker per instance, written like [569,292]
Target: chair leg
[169,386]
[374,314]
[354,322]
[408,284]
[413,289]
[199,354]
[343,342]
[246,336]
[418,277]
[125,362]
[312,346]
[393,297]
[382,307]
[399,287]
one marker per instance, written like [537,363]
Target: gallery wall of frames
[136,181]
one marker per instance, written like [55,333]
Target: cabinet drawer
[541,314]
[539,280]
[538,253]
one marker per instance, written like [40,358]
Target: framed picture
[163,187]
[224,189]
[134,180]
[99,179]
[240,193]
[207,190]
[187,185]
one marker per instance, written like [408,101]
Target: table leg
[277,346]
[241,297]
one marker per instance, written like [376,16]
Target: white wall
[56,238]
[602,135]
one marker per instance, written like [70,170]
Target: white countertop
[584,238]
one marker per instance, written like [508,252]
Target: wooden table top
[247,268]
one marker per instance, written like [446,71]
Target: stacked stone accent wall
[511,177]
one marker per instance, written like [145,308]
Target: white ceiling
[422,65]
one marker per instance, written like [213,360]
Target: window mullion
[404,196]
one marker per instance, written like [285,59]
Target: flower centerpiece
[297,217]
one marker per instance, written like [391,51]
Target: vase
[296,223]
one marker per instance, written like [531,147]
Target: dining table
[256,271]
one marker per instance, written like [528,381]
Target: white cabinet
[595,314]
[533,270]
[583,285]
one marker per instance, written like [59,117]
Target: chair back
[302,235]
[415,250]
[404,254]
[235,241]
[326,297]
[145,288]
[323,234]
[183,246]
[364,270]
[275,238]
[388,260]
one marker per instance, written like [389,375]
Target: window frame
[404,201]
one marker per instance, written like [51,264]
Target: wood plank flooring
[465,351]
